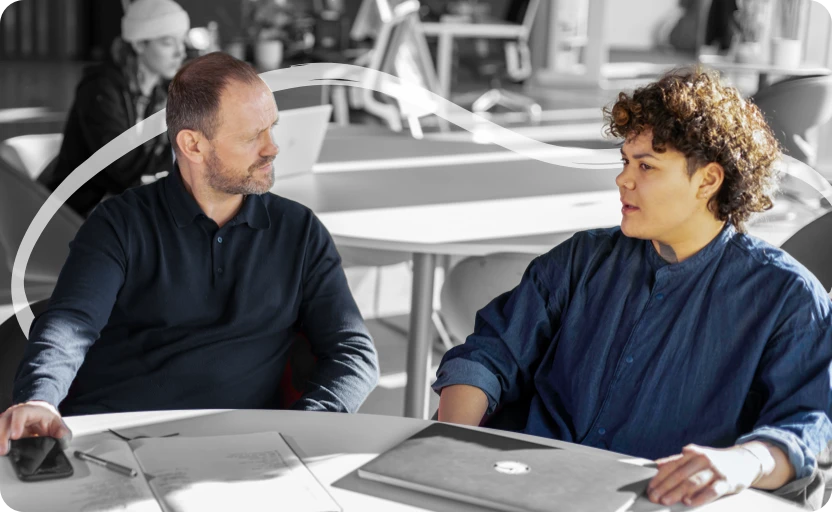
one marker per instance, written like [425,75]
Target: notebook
[502,473]
[299,136]
[251,472]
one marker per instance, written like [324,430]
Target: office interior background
[542,68]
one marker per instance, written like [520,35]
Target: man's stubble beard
[223,180]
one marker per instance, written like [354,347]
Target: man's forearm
[462,404]
[52,358]
[342,379]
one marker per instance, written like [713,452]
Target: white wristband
[761,453]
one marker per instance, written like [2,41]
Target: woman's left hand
[700,475]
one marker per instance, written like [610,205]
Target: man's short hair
[692,112]
[194,93]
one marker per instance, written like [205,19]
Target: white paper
[91,488]
[251,472]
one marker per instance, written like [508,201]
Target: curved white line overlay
[323,74]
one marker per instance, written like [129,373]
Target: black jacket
[105,106]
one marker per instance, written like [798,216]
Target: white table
[764,69]
[334,445]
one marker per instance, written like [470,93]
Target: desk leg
[419,343]
[444,58]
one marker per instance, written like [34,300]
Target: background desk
[334,445]
[764,69]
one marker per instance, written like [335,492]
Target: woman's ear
[712,177]
[139,47]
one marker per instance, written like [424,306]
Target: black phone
[39,458]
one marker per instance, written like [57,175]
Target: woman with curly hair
[113,96]
[676,336]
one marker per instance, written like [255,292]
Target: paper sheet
[91,488]
[249,472]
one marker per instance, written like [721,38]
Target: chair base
[504,98]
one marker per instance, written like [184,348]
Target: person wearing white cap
[113,96]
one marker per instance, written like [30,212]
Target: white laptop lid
[300,135]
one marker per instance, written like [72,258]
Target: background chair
[30,154]
[400,28]
[515,29]
[513,64]
[795,109]
[812,247]
[20,200]
[474,282]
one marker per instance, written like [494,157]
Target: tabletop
[476,208]
[723,64]
[334,446]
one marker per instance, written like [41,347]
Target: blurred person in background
[114,95]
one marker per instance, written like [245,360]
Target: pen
[118,468]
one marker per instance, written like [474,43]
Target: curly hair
[692,112]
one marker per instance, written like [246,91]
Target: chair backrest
[812,247]
[30,154]
[12,345]
[20,200]
[474,282]
[401,49]
[795,106]
[523,12]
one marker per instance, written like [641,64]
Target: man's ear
[189,145]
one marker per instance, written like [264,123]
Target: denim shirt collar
[695,262]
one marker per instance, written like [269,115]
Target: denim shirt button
[602,431]
[629,359]
[659,296]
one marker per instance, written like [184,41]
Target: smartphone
[39,458]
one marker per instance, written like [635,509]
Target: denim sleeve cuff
[463,371]
[804,463]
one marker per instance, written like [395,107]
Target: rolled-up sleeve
[795,374]
[511,333]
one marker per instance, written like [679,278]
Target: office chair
[299,365]
[30,154]
[795,109]
[812,247]
[399,26]
[20,200]
[514,29]
[514,65]
[474,282]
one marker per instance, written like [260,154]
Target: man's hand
[32,419]
[700,475]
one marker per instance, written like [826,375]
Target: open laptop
[300,135]
[504,473]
